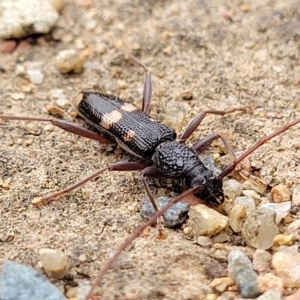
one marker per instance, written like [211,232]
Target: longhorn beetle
[152,141]
[145,138]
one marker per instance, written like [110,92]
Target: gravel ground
[226,54]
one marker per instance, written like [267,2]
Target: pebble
[282,240]
[173,217]
[210,164]
[296,196]
[21,18]
[232,188]
[280,193]
[221,284]
[59,96]
[280,209]
[261,260]
[259,229]
[246,201]
[186,95]
[236,217]
[55,111]
[205,221]
[246,280]
[270,295]
[249,185]
[269,281]
[20,282]
[69,61]
[8,46]
[36,76]
[204,241]
[287,267]
[251,193]
[55,262]
[228,295]
[237,260]
[17,96]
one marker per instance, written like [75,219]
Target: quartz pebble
[21,18]
[269,281]
[173,217]
[280,193]
[270,295]
[204,241]
[55,262]
[246,201]
[287,267]
[205,221]
[69,61]
[280,209]
[261,260]
[220,285]
[232,188]
[236,217]
[259,229]
[36,76]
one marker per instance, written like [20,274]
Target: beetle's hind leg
[63,125]
[119,166]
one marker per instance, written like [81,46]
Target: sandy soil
[242,53]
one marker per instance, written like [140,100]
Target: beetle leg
[199,118]
[63,125]
[147,92]
[147,173]
[119,166]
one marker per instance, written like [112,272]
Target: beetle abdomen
[132,128]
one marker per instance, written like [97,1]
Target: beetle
[152,141]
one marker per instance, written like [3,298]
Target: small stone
[55,263]
[237,260]
[246,280]
[8,46]
[259,188]
[220,285]
[173,217]
[296,196]
[58,95]
[35,76]
[246,201]
[236,217]
[259,229]
[82,258]
[186,95]
[270,281]
[55,111]
[204,241]
[280,193]
[280,209]
[228,295]
[20,282]
[261,260]
[287,267]
[282,240]
[211,297]
[205,221]
[69,61]
[221,238]
[20,70]
[72,292]
[210,164]
[270,295]
[17,96]
[5,186]
[122,84]
[187,230]
[21,18]
[232,188]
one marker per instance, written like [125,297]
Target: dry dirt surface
[227,53]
